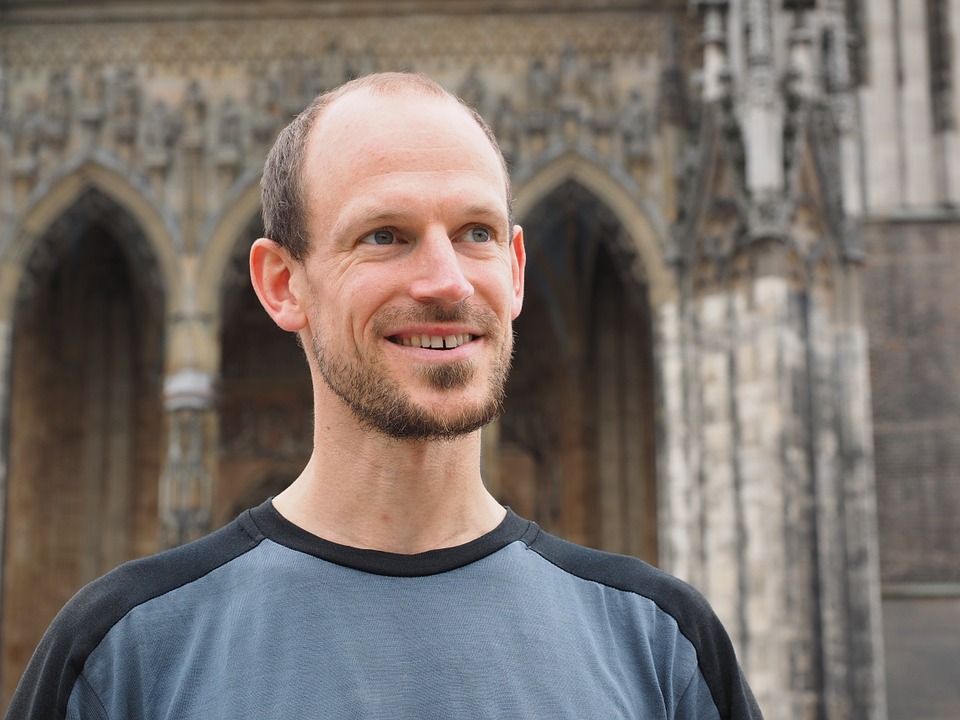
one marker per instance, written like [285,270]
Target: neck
[369,491]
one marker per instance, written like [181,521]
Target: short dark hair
[283,195]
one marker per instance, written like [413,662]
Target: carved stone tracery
[133,101]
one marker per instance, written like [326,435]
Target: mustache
[481,318]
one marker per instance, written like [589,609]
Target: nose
[439,274]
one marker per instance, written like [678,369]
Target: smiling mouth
[433,342]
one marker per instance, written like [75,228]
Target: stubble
[382,405]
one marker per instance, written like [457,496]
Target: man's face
[414,275]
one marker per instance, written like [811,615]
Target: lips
[435,327]
[434,342]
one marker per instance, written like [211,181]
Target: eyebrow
[483,211]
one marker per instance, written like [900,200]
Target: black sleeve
[76,631]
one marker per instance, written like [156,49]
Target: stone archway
[576,443]
[85,416]
[265,401]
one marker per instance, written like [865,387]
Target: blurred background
[737,358]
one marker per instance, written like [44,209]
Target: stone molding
[169,100]
[723,212]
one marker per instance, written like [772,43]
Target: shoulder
[627,574]
[695,619]
[86,619]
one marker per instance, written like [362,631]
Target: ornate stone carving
[27,138]
[124,103]
[230,135]
[267,112]
[541,91]
[332,69]
[59,107]
[506,125]
[472,89]
[603,94]
[762,85]
[571,85]
[941,63]
[359,40]
[160,130]
[126,106]
[186,484]
[4,101]
[194,117]
[635,128]
[92,94]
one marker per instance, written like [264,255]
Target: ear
[518,260]
[271,270]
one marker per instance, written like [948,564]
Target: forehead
[363,137]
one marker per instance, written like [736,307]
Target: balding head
[284,195]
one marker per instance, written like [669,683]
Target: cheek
[356,309]
[492,279]
[504,297]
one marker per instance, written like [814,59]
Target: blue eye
[477,235]
[380,237]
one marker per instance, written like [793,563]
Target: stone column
[186,484]
[762,114]
[881,111]
[714,39]
[10,274]
[916,138]
[766,480]
[951,158]
[6,333]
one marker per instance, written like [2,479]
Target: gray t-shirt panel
[280,633]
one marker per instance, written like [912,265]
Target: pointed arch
[221,246]
[642,223]
[577,439]
[81,404]
[157,229]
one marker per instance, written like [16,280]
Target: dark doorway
[576,443]
[85,417]
[265,399]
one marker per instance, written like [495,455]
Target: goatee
[382,405]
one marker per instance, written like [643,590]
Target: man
[386,582]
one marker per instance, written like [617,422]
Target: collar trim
[277,528]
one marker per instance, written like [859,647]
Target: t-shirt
[262,619]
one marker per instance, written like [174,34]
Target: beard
[382,405]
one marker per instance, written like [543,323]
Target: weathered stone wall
[911,296]
[909,91]
[921,644]
[769,505]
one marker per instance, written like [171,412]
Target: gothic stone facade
[717,205]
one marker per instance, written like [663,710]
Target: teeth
[436,342]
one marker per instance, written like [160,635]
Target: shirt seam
[689,685]
[255,540]
[96,696]
[693,645]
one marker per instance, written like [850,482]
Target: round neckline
[277,528]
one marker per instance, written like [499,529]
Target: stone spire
[769,500]
[762,115]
